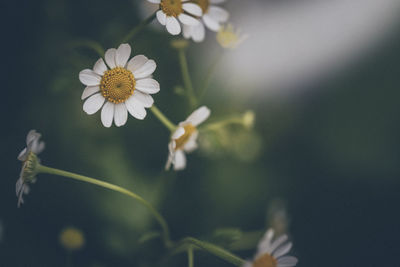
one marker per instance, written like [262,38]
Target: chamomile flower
[271,253]
[213,16]
[30,161]
[124,86]
[229,38]
[184,139]
[174,11]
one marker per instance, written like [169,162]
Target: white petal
[161,17]
[171,155]
[179,160]
[154,1]
[193,9]
[178,133]
[217,1]
[211,23]
[37,146]
[23,155]
[199,116]
[198,33]
[122,55]
[120,114]
[188,20]
[187,31]
[191,145]
[146,99]
[218,14]
[135,108]
[145,70]
[287,261]
[100,67]
[93,104]
[279,241]
[107,114]
[149,86]
[32,136]
[89,77]
[265,242]
[247,264]
[110,57]
[136,62]
[173,26]
[282,250]
[89,90]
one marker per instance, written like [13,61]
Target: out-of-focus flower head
[30,161]
[184,139]
[230,38]
[125,87]
[171,12]
[212,18]
[72,239]
[272,253]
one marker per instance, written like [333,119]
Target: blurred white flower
[125,87]
[173,10]
[184,139]
[30,162]
[228,37]
[212,18]
[272,253]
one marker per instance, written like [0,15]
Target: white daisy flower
[30,161]
[272,253]
[213,17]
[184,139]
[124,86]
[186,11]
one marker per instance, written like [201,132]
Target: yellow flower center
[117,85]
[181,141]
[227,37]
[265,260]
[171,7]
[204,4]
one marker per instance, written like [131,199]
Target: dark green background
[332,154]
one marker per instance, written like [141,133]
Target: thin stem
[190,256]
[222,123]
[209,76]
[186,77]
[213,249]
[116,188]
[95,46]
[164,120]
[138,28]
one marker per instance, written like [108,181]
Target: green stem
[138,28]
[222,123]
[190,257]
[164,120]
[186,77]
[209,75]
[95,46]
[211,248]
[116,188]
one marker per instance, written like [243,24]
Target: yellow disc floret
[72,238]
[265,260]
[204,4]
[181,141]
[171,7]
[117,85]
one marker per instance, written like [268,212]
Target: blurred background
[322,162]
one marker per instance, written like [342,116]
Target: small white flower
[171,11]
[30,161]
[272,253]
[212,18]
[124,86]
[184,139]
